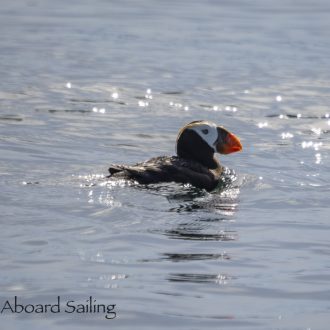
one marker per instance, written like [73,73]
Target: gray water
[85,84]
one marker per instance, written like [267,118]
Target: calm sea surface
[88,83]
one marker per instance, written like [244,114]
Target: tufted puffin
[195,162]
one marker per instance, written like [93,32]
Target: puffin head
[200,139]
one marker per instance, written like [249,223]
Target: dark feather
[168,169]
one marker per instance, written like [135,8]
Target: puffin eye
[205,131]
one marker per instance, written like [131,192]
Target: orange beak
[227,142]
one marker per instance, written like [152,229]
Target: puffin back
[167,169]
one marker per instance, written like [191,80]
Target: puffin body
[195,162]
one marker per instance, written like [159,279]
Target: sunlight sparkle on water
[91,176]
[115,95]
[101,110]
[143,103]
[68,85]
[176,105]
[148,94]
[226,108]
[279,98]
[222,279]
[317,131]
[287,135]
[117,183]
[311,144]
[231,193]
[90,196]
[318,158]
[262,125]
[108,200]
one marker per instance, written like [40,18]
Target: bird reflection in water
[223,200]
[212,214]
[220,279]
[212,209]
[179,257]
[185,232]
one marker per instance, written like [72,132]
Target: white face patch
[208,132]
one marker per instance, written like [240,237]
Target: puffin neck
[191,146]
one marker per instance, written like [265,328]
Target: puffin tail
[113,169]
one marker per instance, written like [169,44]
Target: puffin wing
[167,169]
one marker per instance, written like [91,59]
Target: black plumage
[195,162]
[168,169]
